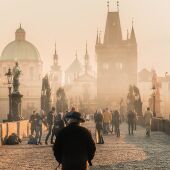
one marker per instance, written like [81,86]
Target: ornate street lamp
[154,100]
[9,80]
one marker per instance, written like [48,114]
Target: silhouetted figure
[74,146]
[107,119]
[131,117]
[58,125]
[33,122]
[50,124]
[148,120]
[98,118]
[117,120]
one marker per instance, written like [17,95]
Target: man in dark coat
[74,146]
[50,124]
[33,122]
[131,119]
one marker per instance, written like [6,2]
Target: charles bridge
[127,152]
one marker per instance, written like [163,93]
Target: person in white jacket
[148,120]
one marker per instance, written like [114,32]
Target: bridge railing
[158,124]
[21,128]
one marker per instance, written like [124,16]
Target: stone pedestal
[16,100]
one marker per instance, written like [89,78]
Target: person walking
[131,117]
[40,119]
[117,121]
[58,125]
[32,120]
[98,118]
[50,123]
[148,120]
[107,118]
[74,146]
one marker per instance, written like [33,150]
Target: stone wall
[158,124]
[21,128]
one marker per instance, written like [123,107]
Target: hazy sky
[71,22]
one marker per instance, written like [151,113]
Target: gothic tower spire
[55,57]
[132,35]
[86,59]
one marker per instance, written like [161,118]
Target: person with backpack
[58,125]
[50,124]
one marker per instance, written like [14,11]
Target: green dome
[20,49]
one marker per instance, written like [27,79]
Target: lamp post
[9,80]
[154,100]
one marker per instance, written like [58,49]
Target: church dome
[20,49]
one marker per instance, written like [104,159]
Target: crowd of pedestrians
[74,147]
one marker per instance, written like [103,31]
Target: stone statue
[46,95]
[16,74]
[134,102]
[130,99]
[137,101]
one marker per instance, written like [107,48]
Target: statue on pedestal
[16,75]
[134,102]
[16,96]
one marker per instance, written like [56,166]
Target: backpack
[32,140]
[13,139]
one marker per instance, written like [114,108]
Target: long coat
[74,147]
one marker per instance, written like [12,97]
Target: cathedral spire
[86,59]
[55,56]
[97,37]
[127,34]
[132,35]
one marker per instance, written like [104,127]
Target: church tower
[116,61]
[55,76]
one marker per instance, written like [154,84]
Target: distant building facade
[116,61]
[82,90]
[28,57]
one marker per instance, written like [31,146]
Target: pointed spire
[86,59]
[55,49]
[55,56]
[20,26]
[108,5]
[118,6]
[97,38]
[127,34]
[76,55]
[132,36]
[100,37]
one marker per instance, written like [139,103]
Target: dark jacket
[58,125]
[50,118]
[98,118]
[73,147]
[131,117]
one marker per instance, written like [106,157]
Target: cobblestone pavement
[124,153]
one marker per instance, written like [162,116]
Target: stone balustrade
[21,128]
[158,124]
